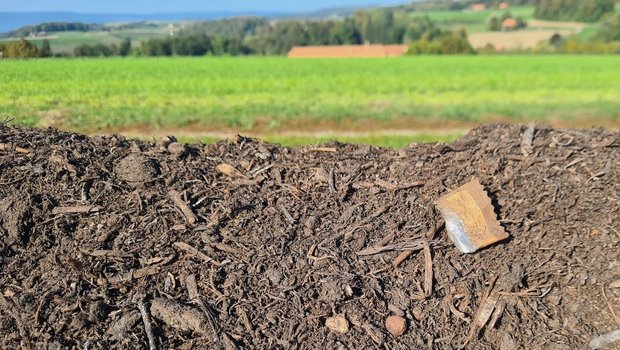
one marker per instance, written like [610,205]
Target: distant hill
[14,20]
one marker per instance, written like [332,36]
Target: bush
[454,43]
[609,29]
[19,49]
[573,10]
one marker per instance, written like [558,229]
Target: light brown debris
[605,340]
[229,170]
[10,147]
[337,324]
[527,138]
[80,209]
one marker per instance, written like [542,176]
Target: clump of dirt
[136,169]
[14,218]
[109,243]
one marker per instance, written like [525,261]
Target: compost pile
[107,242]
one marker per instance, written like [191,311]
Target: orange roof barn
[347,51]
[509,24]
[478,7]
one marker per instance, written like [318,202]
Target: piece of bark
[195,253]
[11,147]
[79,209]
[183,207]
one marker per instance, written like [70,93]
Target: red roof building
[347,51]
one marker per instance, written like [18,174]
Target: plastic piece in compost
[470,218]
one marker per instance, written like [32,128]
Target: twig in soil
[310,255]
[287,215]
[109,254]
[611,309]
[11,147]
[391,187]
[527,138]
[79,209]
[534,292]
[185,209]
[195,253]
[428,270]
[331,181]
[430,234]
[146,318]
[324,149]
[461,315]
[410,245]
[605,339]
[192,290]
[10,310]
[485,310]
[129,276]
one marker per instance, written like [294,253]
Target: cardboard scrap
[470,218]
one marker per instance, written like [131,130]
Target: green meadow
[274,96]
[473,21]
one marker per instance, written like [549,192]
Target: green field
[273,96]
[473,21]
[65,42]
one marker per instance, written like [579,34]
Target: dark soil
[102,238]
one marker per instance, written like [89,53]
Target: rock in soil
[396,325]
[273,248]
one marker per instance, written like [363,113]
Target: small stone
[396,325]
[165,141]
[177,148]
[337,324]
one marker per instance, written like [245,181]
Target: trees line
[260,36]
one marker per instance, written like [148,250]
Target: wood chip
[324,149]
[195,253]
[183,207]
[146,318]
[109,254]
[129,276]
[428,270]
[80,209]
[10,147]
[527,139]
[229,170]
[411,245]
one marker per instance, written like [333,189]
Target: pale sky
[155,6]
